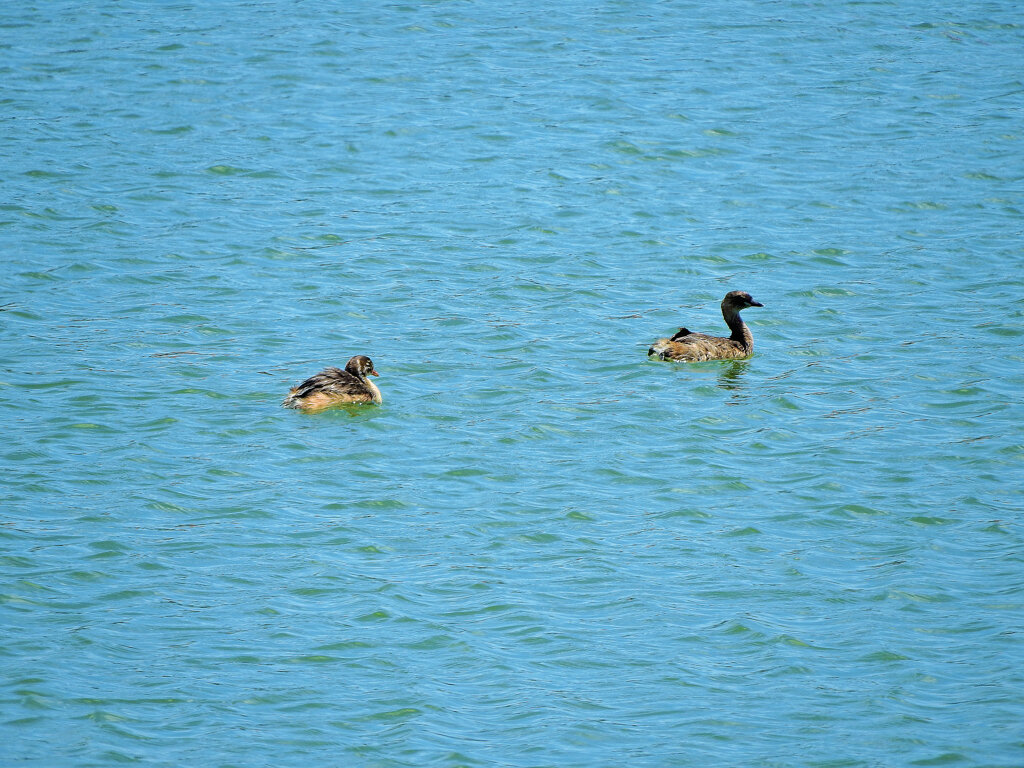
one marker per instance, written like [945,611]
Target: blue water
[543,549]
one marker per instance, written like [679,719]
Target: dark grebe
[690,347]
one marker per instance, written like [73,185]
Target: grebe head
[361,366]
[740,300]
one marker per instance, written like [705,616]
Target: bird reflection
[732,375]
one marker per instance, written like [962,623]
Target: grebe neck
[740,332]
[374,392]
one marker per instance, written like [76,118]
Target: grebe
[694,347]
[333,386]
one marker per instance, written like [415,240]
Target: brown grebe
[333,386]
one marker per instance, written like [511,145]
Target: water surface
[542,549]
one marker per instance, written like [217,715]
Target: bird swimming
[333,386]
[688,347]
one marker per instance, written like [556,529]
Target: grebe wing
[332,380]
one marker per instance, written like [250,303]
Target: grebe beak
[756,303]
[373,372]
